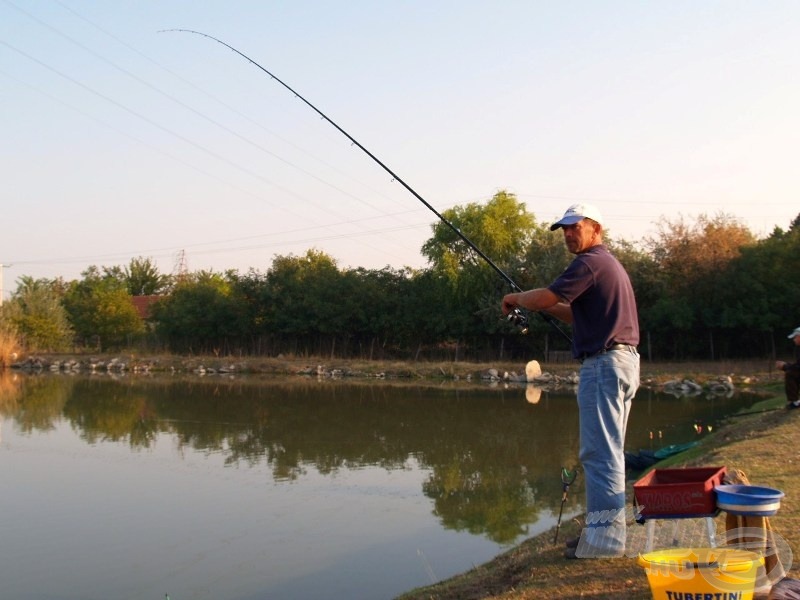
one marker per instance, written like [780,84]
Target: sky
[123,138]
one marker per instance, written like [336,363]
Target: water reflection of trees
[35,403]
[118,414]
[10,391]
[494,460]
[295,426]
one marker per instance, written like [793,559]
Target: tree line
[705,288]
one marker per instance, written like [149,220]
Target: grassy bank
[763,445]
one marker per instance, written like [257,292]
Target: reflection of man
[594,293]
[791,374]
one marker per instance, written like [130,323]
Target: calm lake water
[220,488]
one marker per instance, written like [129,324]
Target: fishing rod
[567,479]
[516,316]
[755,412]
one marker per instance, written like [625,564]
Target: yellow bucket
[701,573]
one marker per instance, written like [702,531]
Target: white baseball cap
[794,334]
[578,212]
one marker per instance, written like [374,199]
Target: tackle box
[675,493]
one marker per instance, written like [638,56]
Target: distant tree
[502,230]
[252,291]
[380,304]
[9,344]
[762,289]
[101,311]
[692,261]
[795,225]
[688,252]
[304,298]
[36,314]
[430,313]
[144,279]
[202,314]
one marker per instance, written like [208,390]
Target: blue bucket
[748,500]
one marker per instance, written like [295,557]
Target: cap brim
[571,220]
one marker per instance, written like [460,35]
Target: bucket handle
[705,565]
[713,564]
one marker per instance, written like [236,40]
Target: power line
[217,156]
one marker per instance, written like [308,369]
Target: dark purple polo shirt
[603,305]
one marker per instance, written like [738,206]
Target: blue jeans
[608,383]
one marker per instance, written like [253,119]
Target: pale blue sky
[119,141]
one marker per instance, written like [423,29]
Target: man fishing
[791,374]
[595,295]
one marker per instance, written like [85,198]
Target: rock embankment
[118,365]
[531,375]
[721,386]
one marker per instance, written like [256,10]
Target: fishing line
[517,317]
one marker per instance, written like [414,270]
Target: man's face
[581,236]
[796,340]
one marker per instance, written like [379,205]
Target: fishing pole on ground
[567,479]
[756,412]
[517,316]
